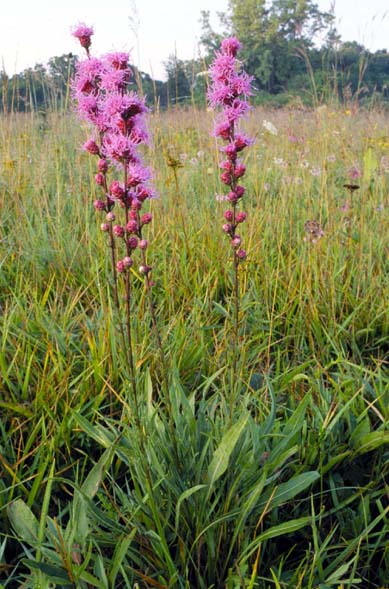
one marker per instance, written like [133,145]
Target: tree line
[290,47]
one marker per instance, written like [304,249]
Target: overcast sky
[31,31]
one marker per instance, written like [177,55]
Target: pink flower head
[119,148]
[231,46]
[242,141]
[118,60]
[223,130]
[115,80]
[88,76]
[83,33]
[137,174]
[236,110]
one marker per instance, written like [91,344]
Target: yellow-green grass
[314,317]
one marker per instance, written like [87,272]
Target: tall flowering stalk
[117,115]
[229,89]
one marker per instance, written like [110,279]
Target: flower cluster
[101,90]
[229,90]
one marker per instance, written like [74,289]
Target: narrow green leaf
[221,457]
[182,498]
[121,550]
[23,521]
[371,441]
[275,531]
[291,488]
[55,574]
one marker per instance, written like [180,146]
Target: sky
[32,31]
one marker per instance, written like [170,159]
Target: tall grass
[293,493]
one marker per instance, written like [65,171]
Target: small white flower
[279,161]
[270,127]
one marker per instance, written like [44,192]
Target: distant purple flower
[354,173]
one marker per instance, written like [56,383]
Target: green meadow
[270,476]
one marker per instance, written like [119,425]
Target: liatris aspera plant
[230,88]
[117,114]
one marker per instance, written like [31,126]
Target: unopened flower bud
[239,171]
[240,190]
[241,254]
[236,241]
[102,165]
[116,189]
[127,261]
[230,150]
[240,217]
[146,218]
[143,193]
[99,179]
[110,216]
[143,244]
[225,177]
[118,230]
[232,196]
[92,147]
[132,243]
[144,269]
[227,228]
[241,142]
[104,226]
[226,165]
[120,266]
[228,215]
[132,226]
[136,205]
[99,205]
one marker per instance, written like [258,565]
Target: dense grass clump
[286,486]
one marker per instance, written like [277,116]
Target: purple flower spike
[229,89]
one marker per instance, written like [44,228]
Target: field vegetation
[273,475]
